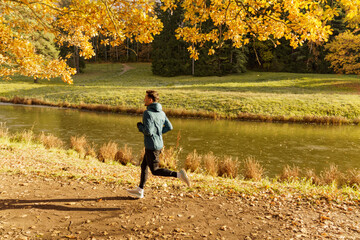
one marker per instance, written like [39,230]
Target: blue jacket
[155,123]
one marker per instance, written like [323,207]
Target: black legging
[151,160]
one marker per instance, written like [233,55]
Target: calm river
[272,144]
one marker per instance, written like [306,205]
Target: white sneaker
[137,193]
[183,177]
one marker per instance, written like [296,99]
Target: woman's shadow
[46,204]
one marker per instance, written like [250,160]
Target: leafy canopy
[74,23]
[241,20]
[80,20]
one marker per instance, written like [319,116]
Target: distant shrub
[210,162]
[124,155]
[228,167]
[107,151]
[192,161]
[253,169]
[356,121]
[50,141]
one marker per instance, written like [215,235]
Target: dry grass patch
[107,151]
[50,141]
[169,157]
[193,161]
[353,177]
[79,144]
[332,175]
[4,131]
[290,173]
[253,169]
[25,136]
[228,167]
[124,155]
[311,175]
[211,164]
[91,150]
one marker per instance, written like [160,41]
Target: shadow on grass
[6,204]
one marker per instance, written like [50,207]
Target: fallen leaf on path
[70,237]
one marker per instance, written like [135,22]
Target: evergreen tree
[226,60]
[44,44]
[169,55]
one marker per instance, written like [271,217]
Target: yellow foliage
[344,53]
[296,20]
[352,8]
[75,24]
[193,53]
[211,51]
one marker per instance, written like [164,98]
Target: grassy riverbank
[290,97]
[54,194]
[26,154]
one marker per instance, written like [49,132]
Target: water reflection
[272,144]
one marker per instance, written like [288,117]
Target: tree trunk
[127,49]
[193,65]
[95,47]
[137,51]
[76,60]
[117,53]
[106,57]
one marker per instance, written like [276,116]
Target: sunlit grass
[260,93]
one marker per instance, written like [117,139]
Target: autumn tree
[344,50]
[74,24]
[236,20]
[344,53]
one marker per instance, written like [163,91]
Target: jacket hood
[154,107]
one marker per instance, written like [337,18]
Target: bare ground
[33,207]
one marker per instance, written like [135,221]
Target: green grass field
[267,94]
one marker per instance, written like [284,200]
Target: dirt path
[126,68]
[45,208]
